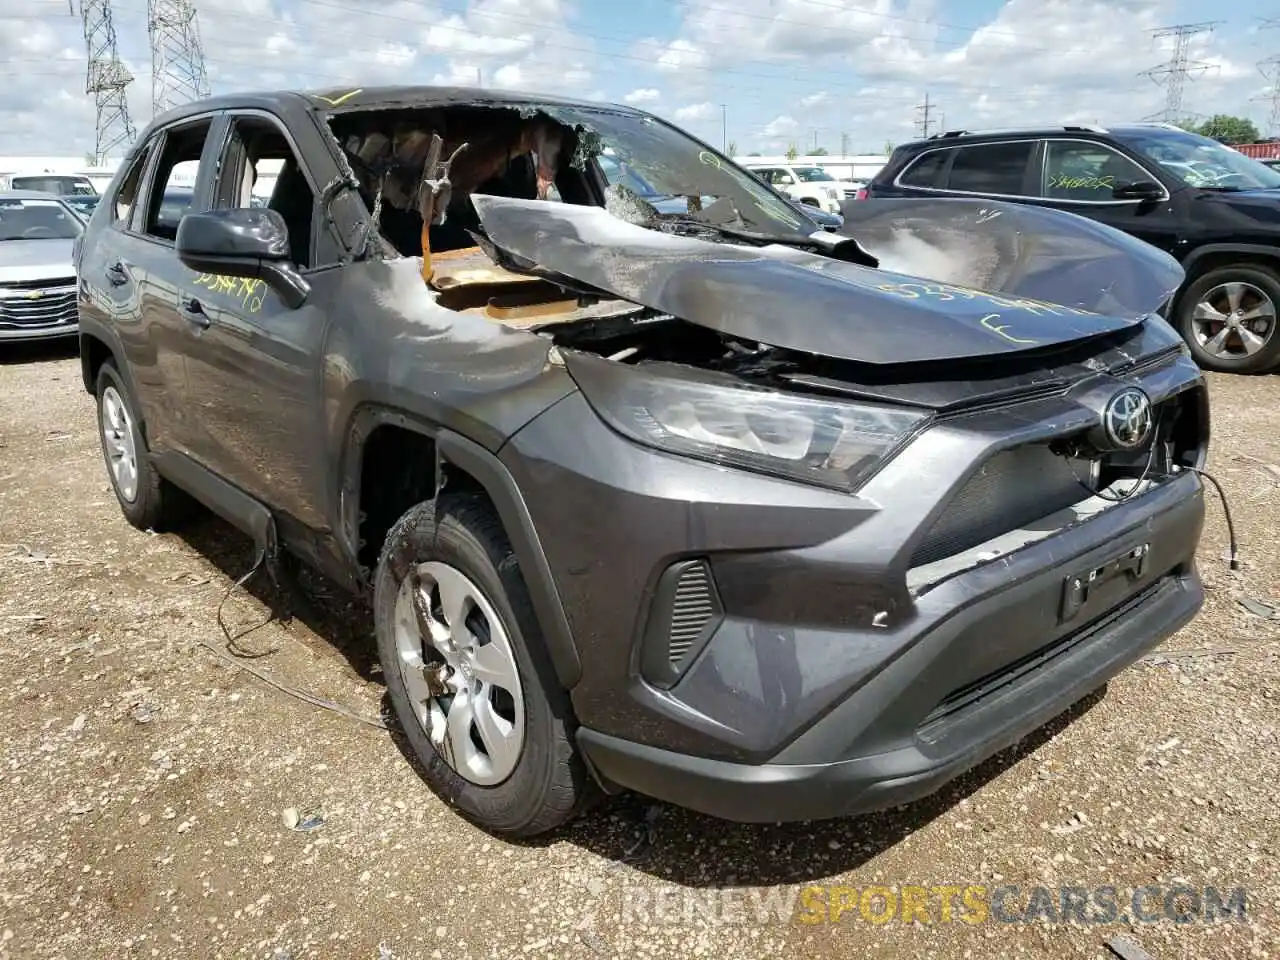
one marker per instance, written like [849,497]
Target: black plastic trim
[1209,249]
[655,656]
[227,501]
[489,471]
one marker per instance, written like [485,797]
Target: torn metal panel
[806,302]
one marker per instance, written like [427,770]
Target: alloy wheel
[117,438]
[1234,320]
[459,672]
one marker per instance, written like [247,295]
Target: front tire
[1229,317]
[467,671]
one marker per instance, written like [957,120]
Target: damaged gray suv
[652,483]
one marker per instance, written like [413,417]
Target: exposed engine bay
[620,238]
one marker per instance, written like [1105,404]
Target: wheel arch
[1212,256]
[393,459]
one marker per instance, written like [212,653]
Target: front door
[253,367]
[1079,176]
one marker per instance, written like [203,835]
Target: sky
[755,75]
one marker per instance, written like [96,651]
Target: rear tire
[147,501]
[515,771]
[1229,318]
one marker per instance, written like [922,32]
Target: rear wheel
[467,672]
[145,499]
[1229,315]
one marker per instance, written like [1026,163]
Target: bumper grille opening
[691,610]
[1022,489]
[1013,489]
[685,613]
[973,696]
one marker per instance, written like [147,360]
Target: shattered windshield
[652,171]
[1201,162]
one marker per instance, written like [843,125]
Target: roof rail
[1071,127]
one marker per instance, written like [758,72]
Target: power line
[924,109]
[177,59]
[1178,67]
[106,78]
[1270,69]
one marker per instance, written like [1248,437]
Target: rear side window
[122,206]
[991,168]
[926,171]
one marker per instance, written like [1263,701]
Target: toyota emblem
[1127,418]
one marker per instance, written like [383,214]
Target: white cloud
[694,112]
[642,95]
[783,67]
[780,126]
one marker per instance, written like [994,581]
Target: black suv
[697,500]
[1214,209]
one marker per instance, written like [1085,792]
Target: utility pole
[177,59]
[844,144]
[924,110]
[105,78]
[1172,74]
[1270,69]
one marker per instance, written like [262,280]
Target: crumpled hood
[1047,278]
[29,260]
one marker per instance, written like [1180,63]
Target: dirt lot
[145,780]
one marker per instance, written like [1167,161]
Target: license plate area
[1108,581]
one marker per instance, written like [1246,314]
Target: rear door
[127,275]
[174,186]
[1079,176]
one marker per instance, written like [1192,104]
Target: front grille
[691,610]
[40,303]
[851,194]
[1014,488]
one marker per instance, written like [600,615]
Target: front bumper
[836,668]
[24,334]
[908,730]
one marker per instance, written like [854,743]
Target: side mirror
[245,242]
[1138,190]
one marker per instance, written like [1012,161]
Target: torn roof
[355,98]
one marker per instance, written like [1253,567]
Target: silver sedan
[37,273]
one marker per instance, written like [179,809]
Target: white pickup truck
[808,184]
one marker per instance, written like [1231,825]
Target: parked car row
[1212,208]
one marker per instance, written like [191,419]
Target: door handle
[117,274]
[194,313]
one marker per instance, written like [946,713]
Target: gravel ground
[147,782]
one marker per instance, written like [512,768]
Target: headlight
[813,440]
[833,193]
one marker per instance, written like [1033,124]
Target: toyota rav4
[698,500]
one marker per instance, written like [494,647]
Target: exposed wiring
[233,641]
[1101,495]
[234,657]
[1234,559]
